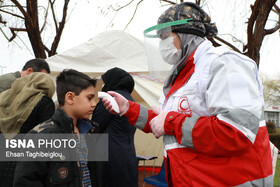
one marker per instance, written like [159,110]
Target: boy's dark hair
[37,64]
[70,80]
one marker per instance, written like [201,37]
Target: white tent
[117,49]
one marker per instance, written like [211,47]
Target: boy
[75,92]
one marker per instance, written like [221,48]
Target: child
[75,93]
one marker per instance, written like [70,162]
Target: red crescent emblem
[184,106]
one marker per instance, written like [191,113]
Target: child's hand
[121,101]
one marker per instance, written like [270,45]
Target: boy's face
[84,103]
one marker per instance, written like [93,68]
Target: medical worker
[212,108]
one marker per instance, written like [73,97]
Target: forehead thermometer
[113,102]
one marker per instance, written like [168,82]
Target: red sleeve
[216,137]
[173,124]
[132,112]
[208,135]
[139,116]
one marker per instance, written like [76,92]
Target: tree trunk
[256,25]
[33,30]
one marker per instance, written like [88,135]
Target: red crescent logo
[184,106]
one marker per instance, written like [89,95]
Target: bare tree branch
[47,49]
[7,6]
[17,29]
[234,39]
[53,13]
[30,14]
[2,21]
[10,13]
[45,20]
[277,26]
[227,43]
[122,6]
[270,31]
[216,44]
[277,9]
[135,10]
[20,7]
[4,34]
[60,29]
[23,44]
[13,30]
[167,1]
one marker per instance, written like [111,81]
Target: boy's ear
[69,98]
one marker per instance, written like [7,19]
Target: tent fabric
[102,52]
[117,49]
[149,90]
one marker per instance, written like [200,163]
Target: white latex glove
[155,110]
[157,123]
[121,101]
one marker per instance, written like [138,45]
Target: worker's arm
[138,115]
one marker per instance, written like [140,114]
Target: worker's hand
[121,101]
[157,123]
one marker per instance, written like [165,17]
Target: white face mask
[169,52]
